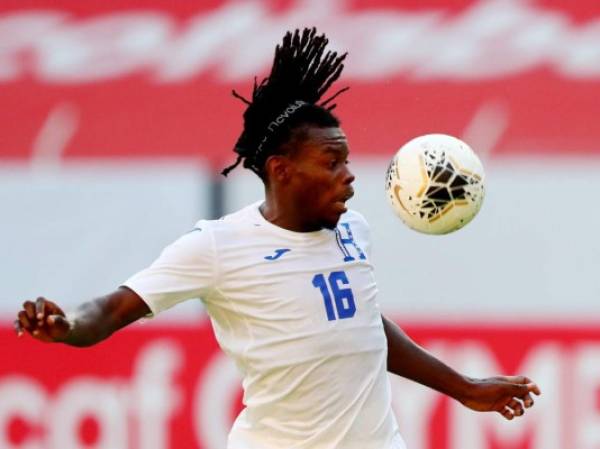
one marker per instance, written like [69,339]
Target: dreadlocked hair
[301,73]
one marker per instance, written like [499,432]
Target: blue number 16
[344,299]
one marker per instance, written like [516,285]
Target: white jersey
[298,314]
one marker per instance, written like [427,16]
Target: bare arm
[508,395]
[407,359]
[89,324]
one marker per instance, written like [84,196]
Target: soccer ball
[435,183]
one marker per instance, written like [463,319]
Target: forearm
[89,324]
[409,360]
[97,320]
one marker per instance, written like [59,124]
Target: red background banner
[173,385]
[153,79]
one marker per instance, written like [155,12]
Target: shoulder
[200,242]
[197,242]
[244,215]
[240,217]
[235,224]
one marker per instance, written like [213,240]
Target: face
[319,178]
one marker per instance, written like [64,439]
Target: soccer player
[289,285]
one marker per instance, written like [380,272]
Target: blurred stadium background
[116,118]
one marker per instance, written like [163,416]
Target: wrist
[464,389]
[67,338]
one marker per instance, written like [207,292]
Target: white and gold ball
[435,183]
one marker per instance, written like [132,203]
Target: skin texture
[89,324]
[305,190]
[507,395]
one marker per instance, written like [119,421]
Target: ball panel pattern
[435,183]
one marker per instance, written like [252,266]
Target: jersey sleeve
[184,270]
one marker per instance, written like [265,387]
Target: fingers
[513,408]
[43,319]
[24,322]
[531,386]
[516,407]
[523,393]
[27,318]
[40,305]
[507,413]
[29,309]
[528,401]
[51,308]
[522,398]
[18,328]
[527,387]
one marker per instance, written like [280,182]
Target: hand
[507,395]
[44,320]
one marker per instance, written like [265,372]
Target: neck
[286,214]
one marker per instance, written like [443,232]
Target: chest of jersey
[277,291]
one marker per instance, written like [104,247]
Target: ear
[278,168]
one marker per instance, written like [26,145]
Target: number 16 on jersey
[343,305]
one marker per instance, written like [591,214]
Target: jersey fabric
[297,312]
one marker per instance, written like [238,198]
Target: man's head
[288,98]
[313,173]
[288,136]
